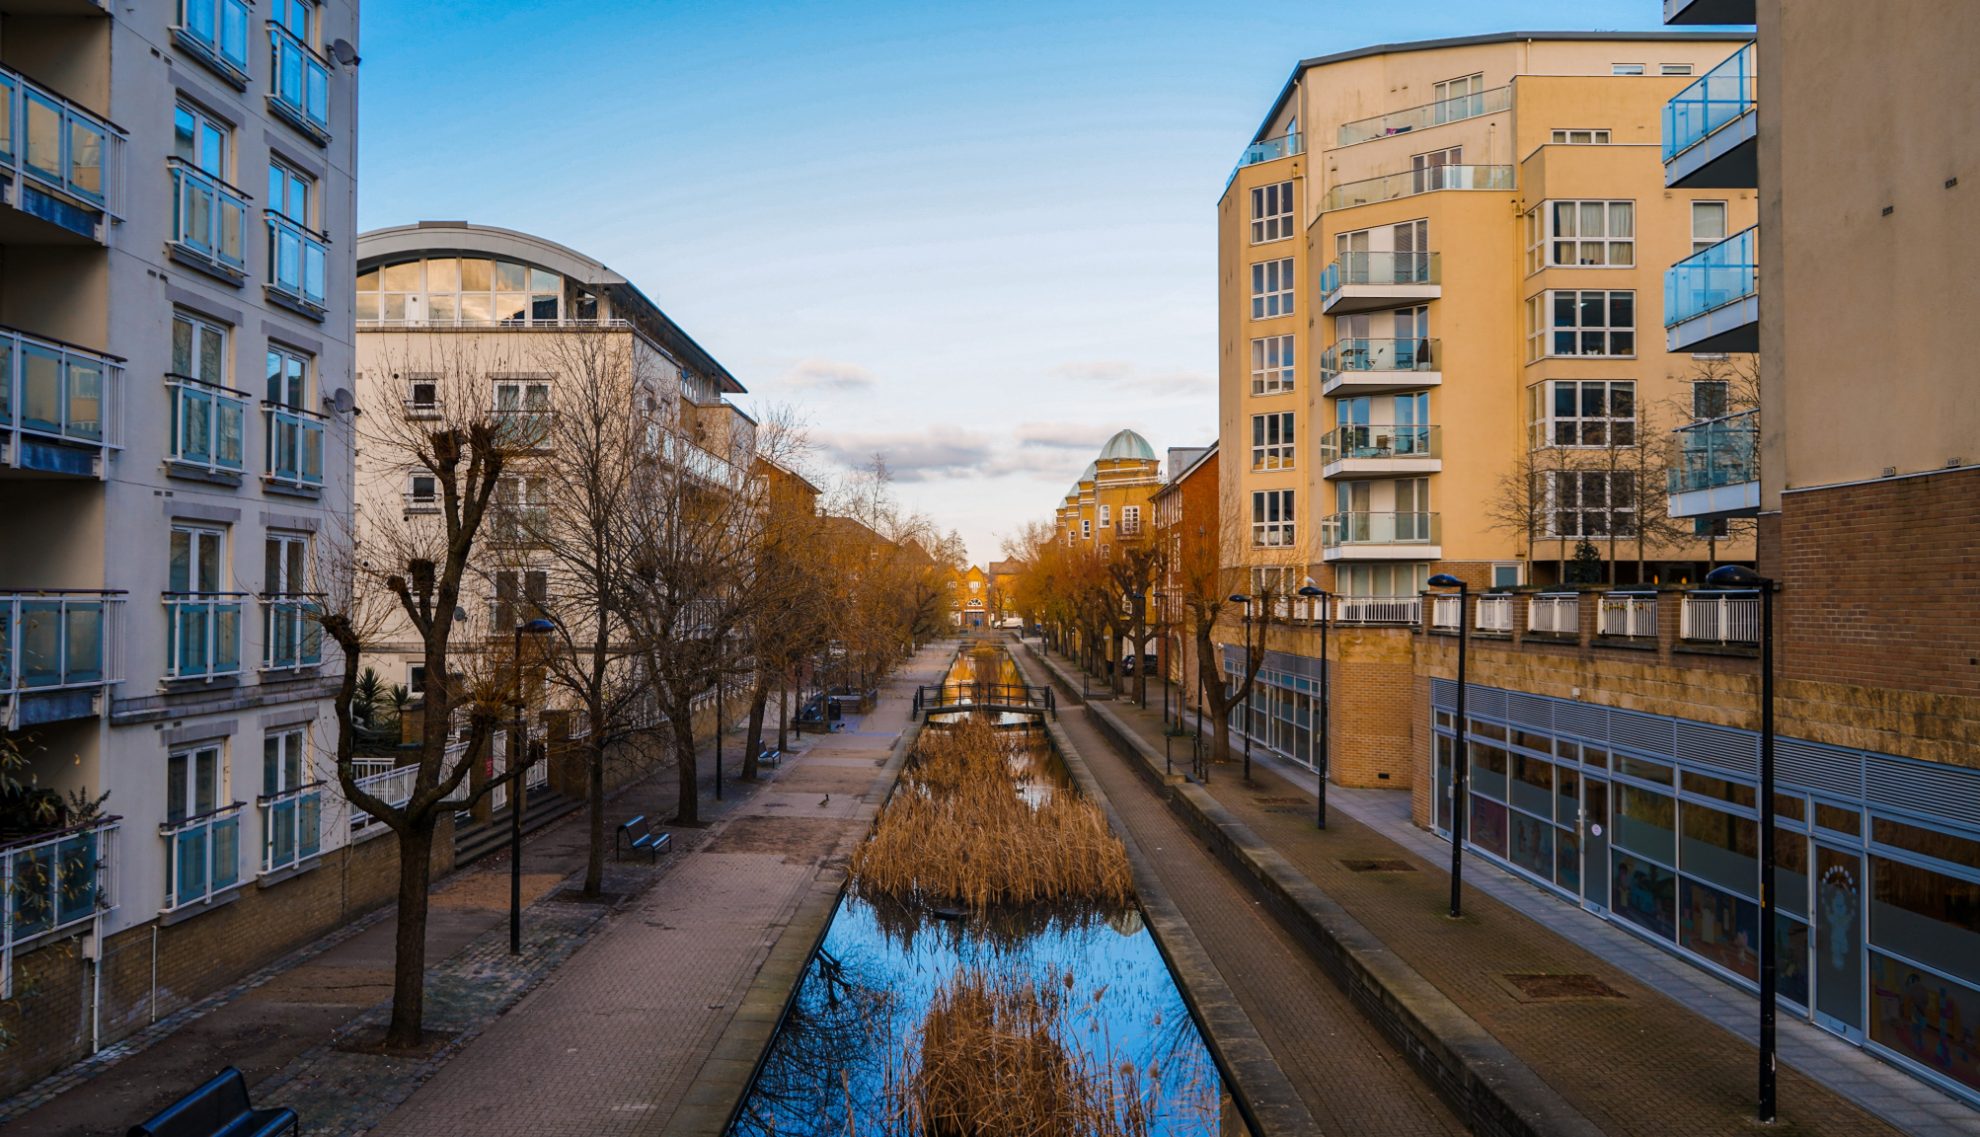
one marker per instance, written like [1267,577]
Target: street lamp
[1460,788]
[1320,768]
[1739,576]
[519,764]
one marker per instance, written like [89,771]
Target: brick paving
[1640,1064]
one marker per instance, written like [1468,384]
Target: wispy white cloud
[1124,375]
[1062,435]
[828,375]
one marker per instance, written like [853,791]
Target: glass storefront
[1281,716]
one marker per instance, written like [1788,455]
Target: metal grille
[1951,792]
[1645,733]
[1582,720]
[1812,765]
[1723,747]
[1528,710]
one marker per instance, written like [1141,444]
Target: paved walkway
[1671,1054]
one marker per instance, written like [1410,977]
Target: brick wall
[48,1022]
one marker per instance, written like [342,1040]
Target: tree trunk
[753,743]
[1221,716]
[409,941]
[688,809]
[594,862]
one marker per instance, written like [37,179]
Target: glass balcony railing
[291,637]
[54,143]
[297,256]
[1718,97]
[291,826]
[1716,453]
[301,85]
[1379,268]
[54,641]
[1429,114]
[1712,278]
[203,634]
[216,31]
[54,881]
[1357,355]
[1284,146]
[1380,441]
[295,446]
[1380,529]
[203,856]
[209,425]
[209,218]
[1408,183]
[52,391]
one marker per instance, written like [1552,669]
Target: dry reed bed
[958,833]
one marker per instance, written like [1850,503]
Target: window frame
[1543,335]
[1700,244]
[1628,69]
[1544,424]
[1607,241]
[1273,520]
[292,181]
[1268,377]
[1565,136]
[1271,212]
[1273,445]
[1272,284]
[1551,516]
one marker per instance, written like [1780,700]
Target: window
[297,256]
[192,783]
[416,678]
[1459,98]
[1272,518]
[464,290]
[1106,517]
[197,556]
[523,406]
[1505,576]
[1584,412]
[203,621]
[1428,169]
[1271,365]
[288,376]
[295,433]
[422,397]
[1674,69]
[209,420]
[1271,212]
[519,596]
[200,141]
[301,81]
[290,635]
[521,507]
[297,17]
[289,192]
[1272,289]
[1581,322]
[291,811]
[1708,224]
[1626,69]
[1086,528]
[1272,441]
[1590,503]
[1581,137]
[1709,398]
[209,217]
[423,492]
[219,28]
[1592,233]
[1363,579]
[285,565]
[1130,520]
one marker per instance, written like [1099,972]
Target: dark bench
[771,757]
[218,1109]
[642,836]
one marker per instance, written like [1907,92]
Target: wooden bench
[642,836]
[772,757]
[219,1108]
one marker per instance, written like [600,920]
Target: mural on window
[1927,1018]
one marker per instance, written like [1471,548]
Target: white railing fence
[1627,614]
[1378,609]
[203,856]
[1446,612]
[1720,618]
[50,882]
[1557,614]
[1494,613]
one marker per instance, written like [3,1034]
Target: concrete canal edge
[1266,1100]
[716,1095]
[1490,1088]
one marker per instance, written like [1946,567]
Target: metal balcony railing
[209,425]
[1731,618]
[1716,452]
[392,785]
[291,826]
[1554,614]
[54,641]
[52,391]
[1408,183]
[1446,613]
[202,856]
[295,446]
[1409,440]
[1627,615]
[1713,278]
[57,145]
[1493,613]
[216,31]
[209,218]
[1283,146]
[203,634]
[1363,355]
[1378,268]
[300,87]
[1429,114]
[1356,528]
[1378,609]
[1716,98]
[291,637]
[51,881]
[297,256]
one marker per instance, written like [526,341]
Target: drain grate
[1379,865]
[1542,988]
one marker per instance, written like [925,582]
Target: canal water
[851,1034]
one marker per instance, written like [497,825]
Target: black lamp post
[1460,762]
[519,777]
[1320,767]
[1739,576]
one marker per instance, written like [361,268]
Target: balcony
[390,784]
[58,166]
[291,637]
[56,406]
[1554,614]
[1428,115]
[53,881]
[1712,297]
[1369,282]
[301,85]
[215,32]
[294,460]
[54,655]
[209,428]
[1708,11]
[1627,616]
[296,259]
[291,827]
[1376,366]
[202,857]
[1381,449]
[1378,609]
[1381,536]
[203,634]
[1408,183]
[1268,150]
[1710,128]
[1726,619]
[209,223]
[1717,471]
[1492,614]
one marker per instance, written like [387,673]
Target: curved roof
[1091,472]
[1129,445]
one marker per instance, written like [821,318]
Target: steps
[477,840]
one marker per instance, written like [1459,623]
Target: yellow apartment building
[1109,502]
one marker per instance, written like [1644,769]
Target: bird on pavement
[825,801]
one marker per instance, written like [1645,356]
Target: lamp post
[1739,576]
[519,765]
[1320,767]
[1460,796]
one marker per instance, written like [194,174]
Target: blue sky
[976,237]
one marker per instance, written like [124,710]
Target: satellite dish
[342,51]
[340,401]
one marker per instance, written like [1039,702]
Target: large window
[1106,517]
[1586,234]
[1272,289]
[1459,98]
[464,290]
[1590,503]
[299,76]
[1584,412]
[290,634]
[1130,520]
[1272,518]
[1588,322]
[1271,212]
[209,217]
[289,192]
[209,419]
[203,619]
[520,595]
[1272,441]
[1708,224]
[1353,579]
[1271,365]
[219,28]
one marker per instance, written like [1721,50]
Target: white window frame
[1588,136]
[1272,519]
[1674,69]
[1271,212]
[1607,243]
[1130,519]
[1551,519]
[523,388]
[1272,289]
[1700,244]
[1273,365]
[190,755]
[1541,331]
[292,182]
[1106,517]
[1086,528]
[1619,431]
[1626,69]
[1272,445]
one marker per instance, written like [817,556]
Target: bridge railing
[1017,697]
